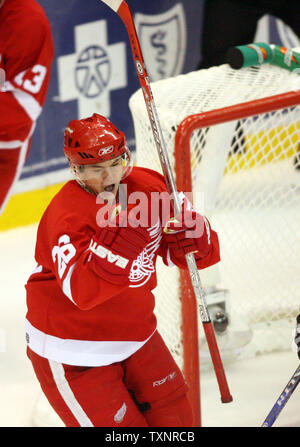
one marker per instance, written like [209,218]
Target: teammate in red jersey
[26,54]
[90,326]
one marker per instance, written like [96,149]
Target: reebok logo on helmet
[105,151]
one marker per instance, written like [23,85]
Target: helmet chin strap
[129,164]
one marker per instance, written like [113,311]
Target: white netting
[249,172]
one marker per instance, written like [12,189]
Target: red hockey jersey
[75,316]
[26,55]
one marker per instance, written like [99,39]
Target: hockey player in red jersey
[26,54]
[90,326]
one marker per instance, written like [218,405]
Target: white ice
[254,383]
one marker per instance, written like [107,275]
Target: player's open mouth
[110,188]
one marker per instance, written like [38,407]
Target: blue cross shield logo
[163,41]
[93,71]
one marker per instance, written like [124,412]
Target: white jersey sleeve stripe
[10,144]
[26,101]
[29,104]
[21,161]
[67,283]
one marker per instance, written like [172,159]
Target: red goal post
[183,171]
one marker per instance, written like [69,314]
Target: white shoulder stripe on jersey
[67,394]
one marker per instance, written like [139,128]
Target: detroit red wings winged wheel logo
[143,267]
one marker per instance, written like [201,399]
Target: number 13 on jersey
[34,84]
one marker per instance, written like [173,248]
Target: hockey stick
[123,10]
[282,399]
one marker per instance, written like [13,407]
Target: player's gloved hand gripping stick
[122,9]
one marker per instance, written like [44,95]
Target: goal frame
[183,172]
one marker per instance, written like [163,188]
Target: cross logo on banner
[93,71]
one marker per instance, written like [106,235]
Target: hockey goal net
[244,164]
